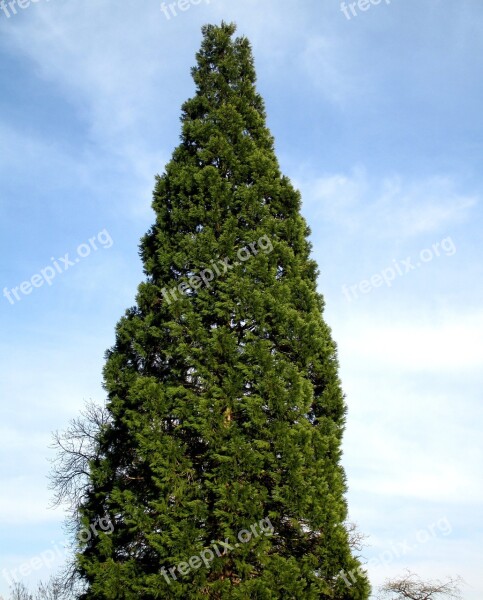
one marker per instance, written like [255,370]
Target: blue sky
[377,120]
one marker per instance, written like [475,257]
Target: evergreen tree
[226,410]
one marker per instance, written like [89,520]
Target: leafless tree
[18,591]
[76,447]
[52,590]
[356,537]
[411,587]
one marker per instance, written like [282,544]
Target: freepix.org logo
[351,9]
[219,267]
[171,9]
[399,268]
[219,549]
[57,267]
[11,6]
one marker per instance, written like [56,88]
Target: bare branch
[52,590]
[18,591]
[411,587]
[55,589]
[76,448]
[356,537]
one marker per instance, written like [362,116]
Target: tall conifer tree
[225,404]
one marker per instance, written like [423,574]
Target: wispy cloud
[390,206]
[415,343]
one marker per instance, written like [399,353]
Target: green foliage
[225,404]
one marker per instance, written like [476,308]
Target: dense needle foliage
[224,398]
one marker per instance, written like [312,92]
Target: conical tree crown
[226,407]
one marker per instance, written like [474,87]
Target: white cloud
[392,463]
[413,390]
[94,65]
[389,207]
[441,343]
